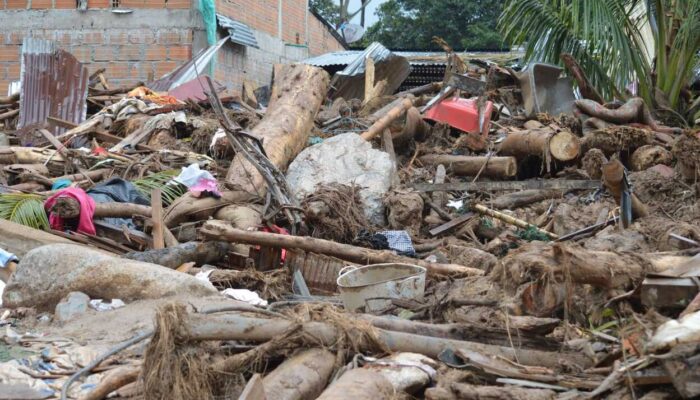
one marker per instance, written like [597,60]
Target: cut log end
[564,146]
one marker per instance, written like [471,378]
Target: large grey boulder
[48,273]
[345,159]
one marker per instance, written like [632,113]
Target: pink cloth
[87,210]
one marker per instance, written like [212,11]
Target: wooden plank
[451,224]
[61,123]
[133,139]
[52,139]
[254,389]
[389,145]
[157,218]
[508,185]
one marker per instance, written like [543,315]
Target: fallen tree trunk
[302,376]
[634,110]
[613,176]
[615,139]
[525,197]
[190,208]
[543,142]
[236,327]
[222,231]
[68,207]
[116,379]
[19,239]
[173,257]
[359,383]
[473,331]
[496,167]
[299,92]
[598,268]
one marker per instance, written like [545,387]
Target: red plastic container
[462,114]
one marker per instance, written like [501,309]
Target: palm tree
[607,37]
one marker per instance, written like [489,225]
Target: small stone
[74,304]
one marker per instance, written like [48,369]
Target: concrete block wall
[236,63]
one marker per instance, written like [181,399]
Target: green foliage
[328,9]
[463,24]
[169,192]
[531,233]
[25,209]
[605,37]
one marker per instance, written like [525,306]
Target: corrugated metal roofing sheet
[53,83]
[349,83]
[240,32]
[414,57]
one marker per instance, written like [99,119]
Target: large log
[359,383]
[541,142]
[173,257]
[303,376]
[237,327]
[19,239]
[192,208]
[285,129]
[598,268]
[223,231]
[497,167]
[68,207]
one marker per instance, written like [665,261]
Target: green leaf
[169,191]
[25,209]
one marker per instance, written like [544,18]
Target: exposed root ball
[617,138]
[335,212]
[687,152]
[405,209]
[593,162]
[173,368]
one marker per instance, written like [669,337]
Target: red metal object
[462,114]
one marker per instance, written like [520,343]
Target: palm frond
[601,34]
[161,180]
[25,209]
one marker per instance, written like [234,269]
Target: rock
[76,303]
[48,273]
[345,159]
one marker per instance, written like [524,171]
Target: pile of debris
[487,236]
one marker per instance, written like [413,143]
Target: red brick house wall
[135,48]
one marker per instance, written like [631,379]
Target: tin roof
[240,32]
[53,83]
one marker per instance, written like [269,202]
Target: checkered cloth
[399,241]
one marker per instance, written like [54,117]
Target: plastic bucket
[373,286]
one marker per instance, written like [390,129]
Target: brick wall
[236,63]
[158,35]
[130,50]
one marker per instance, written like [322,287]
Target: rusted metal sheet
[53,84]
[319,271]
[195,89]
